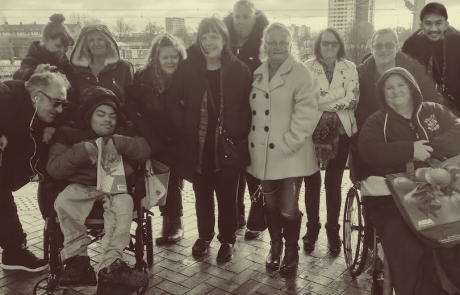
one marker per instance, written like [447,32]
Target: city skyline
[388,13]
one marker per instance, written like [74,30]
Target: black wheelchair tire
[149,241]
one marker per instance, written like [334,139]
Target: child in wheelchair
[73,158]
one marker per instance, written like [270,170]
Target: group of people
[237,108]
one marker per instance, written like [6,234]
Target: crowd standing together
[238,108]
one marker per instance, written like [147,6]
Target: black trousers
[332,183]
[252,183]
[411,261]
[12,235]
[173,206]
[225,184]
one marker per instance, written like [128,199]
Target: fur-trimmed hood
[80,58]
[257,32]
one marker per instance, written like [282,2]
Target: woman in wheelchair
[72,158]
[403,129]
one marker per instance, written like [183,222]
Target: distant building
[343,13]
[175,25]
[33,29]
[299,31]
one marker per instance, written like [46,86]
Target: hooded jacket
[368,78]
[117,74]
[420,48]
[185,97]
[68,158]
[16,116]
[386,141]
[250,51]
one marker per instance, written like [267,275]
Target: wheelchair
[53,238]
[361,243]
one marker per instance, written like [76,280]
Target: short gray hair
[385,31]
[278,26]
[41,80]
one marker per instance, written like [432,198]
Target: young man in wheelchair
[73,158]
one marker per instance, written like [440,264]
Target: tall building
[175,25]
[343,13]
[299,31]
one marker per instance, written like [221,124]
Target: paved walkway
[175,271]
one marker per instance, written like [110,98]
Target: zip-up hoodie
[386,139]
[117,74]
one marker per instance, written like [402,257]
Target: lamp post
[415,8]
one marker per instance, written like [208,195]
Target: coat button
[252,144]
[271,145]
[267,112]
[266,95]
[253,127]
[254,112]
[266,128]
[253,95]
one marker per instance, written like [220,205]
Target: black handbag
[234,152]
[256,218]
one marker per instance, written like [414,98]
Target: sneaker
[251,234]
[120,273]
[200,247]
[22,259]
[78,272]
[225,253]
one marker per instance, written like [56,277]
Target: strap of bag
[214,108]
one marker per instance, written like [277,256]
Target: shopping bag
[156,184]
[429,200]
[256,218]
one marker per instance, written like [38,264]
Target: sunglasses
[334,44]
[388,45]
[55,101]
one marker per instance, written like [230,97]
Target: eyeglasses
[388,45]
[281,44]
[334,44]
[55,101]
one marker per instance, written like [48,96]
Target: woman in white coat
[338,81]
[285,112]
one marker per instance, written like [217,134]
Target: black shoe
[200,247]
[251,234]
[290,259]
[22,259]
[291,233]
[311,237]
[225,253]
[78,272]
[163,239]
[120,273]
[176,231]
[241,221]
[333,238]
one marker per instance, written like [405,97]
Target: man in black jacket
[26,109]
[246,26]
[435,46]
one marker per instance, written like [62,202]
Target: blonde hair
[85,49]
[278,26]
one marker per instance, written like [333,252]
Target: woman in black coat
[210,84]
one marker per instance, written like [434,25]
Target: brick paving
[176,271]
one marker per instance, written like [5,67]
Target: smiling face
[46,109]
[169,59]
[277,44]
[330,51]
[104,120]
[434,26]
[212,44]
[384,48]
[96,43]
[244,19]
[398,93]
[55,46]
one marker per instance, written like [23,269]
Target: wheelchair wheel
[149,241]
[46,285]
[355,242]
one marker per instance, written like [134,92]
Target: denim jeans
[173,206]
[283,194]
[73,206]
[332,184]
[225,184]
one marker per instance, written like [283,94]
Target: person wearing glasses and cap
[385,55]
[26,109]
[337,79]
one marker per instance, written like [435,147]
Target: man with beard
[246,25]
[435,46]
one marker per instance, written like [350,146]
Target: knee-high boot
[291,233]
[274,225]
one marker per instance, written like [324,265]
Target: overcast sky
[313,13]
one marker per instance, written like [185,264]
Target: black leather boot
[333,238]
[311,237]
[273,219]
[176,229]
[163,239]
[291,233]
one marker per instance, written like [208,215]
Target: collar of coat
[261,75]
[257,32]
[369,68]
[318,68]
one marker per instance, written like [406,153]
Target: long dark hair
[56,29]
[340,55]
